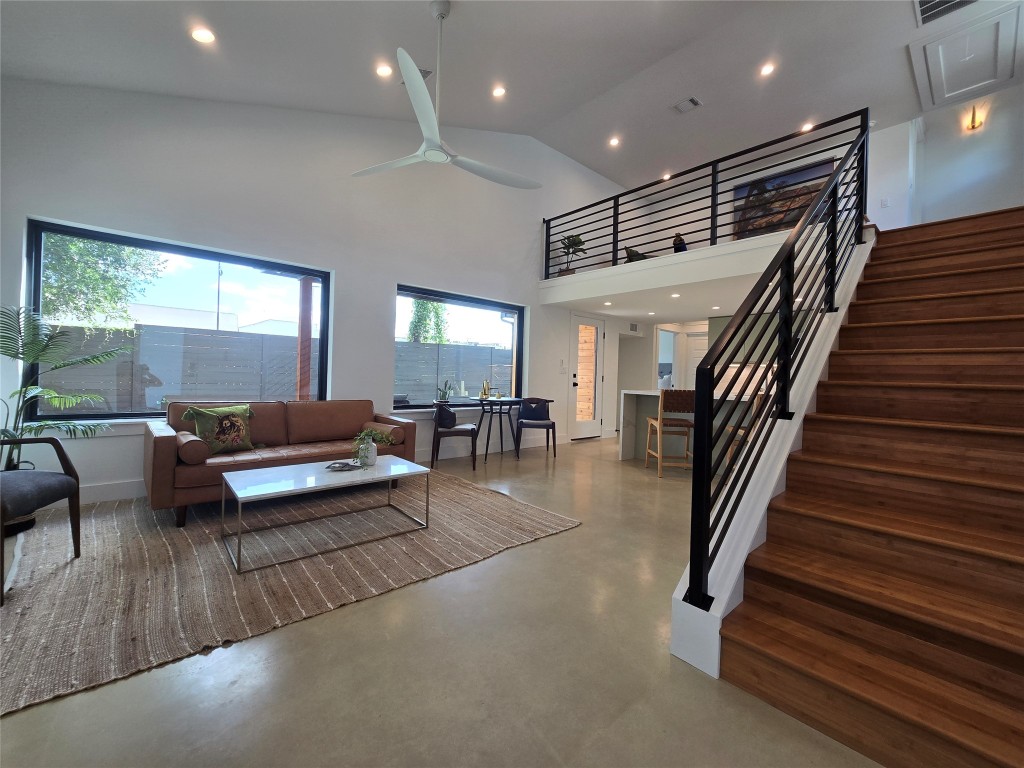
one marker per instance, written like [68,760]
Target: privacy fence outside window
[442,337]
[196,324]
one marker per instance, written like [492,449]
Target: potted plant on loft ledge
[572,246]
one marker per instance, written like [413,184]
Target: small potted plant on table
[366,445]
[572,246]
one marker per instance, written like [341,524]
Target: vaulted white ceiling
[576,71]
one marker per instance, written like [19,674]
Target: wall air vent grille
[687,105]
[634,327]
[930,10]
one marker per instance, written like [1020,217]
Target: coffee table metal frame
[318,478]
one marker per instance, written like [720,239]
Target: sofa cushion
[397,433]
[192,449]
[210,471]
[311,421]
[268,424]
[225,429]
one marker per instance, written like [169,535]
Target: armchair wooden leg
[75,510]
[554,442]
[435,446]
[180,513]
[474,451]
[519,439]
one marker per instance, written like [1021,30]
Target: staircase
[886,608]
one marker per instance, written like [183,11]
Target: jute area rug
[145,593]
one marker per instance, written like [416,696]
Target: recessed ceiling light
[667,176]
[675,295]
[614,141]
[607,303]
[650,313]
[203,35]
[384,70]
[767,69]
[716,307]
[806,127]
[498,92]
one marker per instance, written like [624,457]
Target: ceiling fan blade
[497,175]
[389,165]
[420,98]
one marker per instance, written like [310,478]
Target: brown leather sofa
[283,433]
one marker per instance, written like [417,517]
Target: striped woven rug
[145,593]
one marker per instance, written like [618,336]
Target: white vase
[367,455]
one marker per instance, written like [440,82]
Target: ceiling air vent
[930,10]
[687,105]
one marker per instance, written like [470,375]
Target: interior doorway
[696,348]
[585,385]
[668,370]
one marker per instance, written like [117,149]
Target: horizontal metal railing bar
[595,212]
[643,218]
[789,187]
[740,413]
[760,322]
[758,171]
[735,467]
[701,203]
[818,150]
[727,413]
[668,187]
[710,164]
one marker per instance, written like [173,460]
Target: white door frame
[590,428]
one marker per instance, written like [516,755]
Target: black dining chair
[446,426]
[533,414]
[23,491]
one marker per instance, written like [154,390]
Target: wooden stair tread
[982,230]
[961,613]
[933,351]
[1002,546]
[952,385]
[890,467]
[947,273]
[941,254]
[979,293]
[969,217]
[988,429]
[946,709]
[937,321]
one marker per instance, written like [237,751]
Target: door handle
[575,384]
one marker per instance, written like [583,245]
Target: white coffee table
[292,480]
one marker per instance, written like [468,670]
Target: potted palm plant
[41,348]
[572,246]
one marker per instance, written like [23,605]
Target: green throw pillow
[224,429]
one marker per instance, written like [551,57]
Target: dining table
[497,406]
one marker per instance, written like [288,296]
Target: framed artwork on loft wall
[777,202]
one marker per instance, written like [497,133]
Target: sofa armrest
[409,426]
[160,457]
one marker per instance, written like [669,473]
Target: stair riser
[979,334]
[1003,277]
[945,262]
[990,305]
[951,368]
[982,407]
[991,510]
[990,578]
[965,226]
[895,742]
[977,675]
[1007,235]
[939,448]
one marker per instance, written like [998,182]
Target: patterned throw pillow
[224,429]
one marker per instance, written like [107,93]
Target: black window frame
[475,302]
[37,228]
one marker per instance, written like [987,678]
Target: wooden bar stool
[671,401]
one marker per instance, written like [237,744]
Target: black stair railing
[712,203]
[743,383]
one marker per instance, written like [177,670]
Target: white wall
[962,172]
[275,183]
[890,176]
[933,169]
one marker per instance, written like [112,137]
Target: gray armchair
[23,491]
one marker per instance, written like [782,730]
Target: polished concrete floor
[553,653]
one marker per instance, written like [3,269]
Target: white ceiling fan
[433,150]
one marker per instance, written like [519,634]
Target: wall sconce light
[974,123]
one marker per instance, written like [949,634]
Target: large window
[196,324]
[441,337]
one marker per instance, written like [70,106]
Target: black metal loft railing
[756,191]
[743,384]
